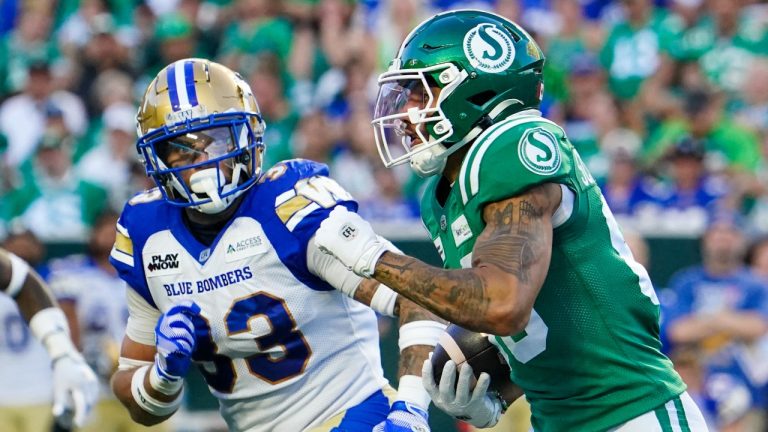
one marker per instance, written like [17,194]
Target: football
[464,346]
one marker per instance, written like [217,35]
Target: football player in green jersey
[531,250]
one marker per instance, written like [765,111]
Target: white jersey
[281,348]
[26,367]
[102,313]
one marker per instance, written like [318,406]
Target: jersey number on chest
[285,335]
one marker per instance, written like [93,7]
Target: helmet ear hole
[482,98]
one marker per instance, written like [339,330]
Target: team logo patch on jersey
[244,248]
[489,49]
[461,230]
[539,151]
[163,264]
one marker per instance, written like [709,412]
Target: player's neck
[205,219]
[453,164]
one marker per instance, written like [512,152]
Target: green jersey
[589,358]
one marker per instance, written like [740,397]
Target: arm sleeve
[142,319]
[331,270]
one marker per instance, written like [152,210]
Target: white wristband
[147,402]
[384,300]
[50,327]
[19,271]
[420,333]
[494,411]
[410,389]
[164,385]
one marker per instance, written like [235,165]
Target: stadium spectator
[269,88]
[633,49]
[29,43]
[53,201]
[257,28]
[693,193]
[728,145]
[632,196]
[23,117]
[724,397]
[720,307]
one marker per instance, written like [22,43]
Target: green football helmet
[486,68]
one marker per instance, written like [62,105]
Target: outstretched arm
[419,332]
[510,262]
[74,384]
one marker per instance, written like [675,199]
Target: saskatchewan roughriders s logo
[489,49]
[539,152]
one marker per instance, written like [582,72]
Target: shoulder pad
[299,188]
[514,155]
[289,171]
[145,197]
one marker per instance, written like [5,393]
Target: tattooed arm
[412,357]
[510,262]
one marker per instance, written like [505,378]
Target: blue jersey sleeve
[294,199]
[133,228]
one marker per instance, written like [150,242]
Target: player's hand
[348,237]
[175,340]
[404,417]
[75,390]
[477,407]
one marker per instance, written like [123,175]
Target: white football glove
[479,408]
[348,237]
[75,390]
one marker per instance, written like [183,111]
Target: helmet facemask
[205,163]
[487,68]
[401,87]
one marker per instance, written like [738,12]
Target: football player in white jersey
[93,298]
[74,384]
[223,273]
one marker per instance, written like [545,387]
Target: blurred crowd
[666,101]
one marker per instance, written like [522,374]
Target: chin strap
[432,160]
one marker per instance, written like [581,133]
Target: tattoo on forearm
[437,289]
[517,236]
[412,359]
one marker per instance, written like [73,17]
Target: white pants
[678,415]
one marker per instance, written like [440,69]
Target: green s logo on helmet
[454,76]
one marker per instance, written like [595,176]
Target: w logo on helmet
[489,48]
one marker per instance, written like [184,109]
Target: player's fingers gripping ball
[467,377]
[463,346]
[175,339]
[351,239]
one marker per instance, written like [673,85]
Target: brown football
[464,346]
